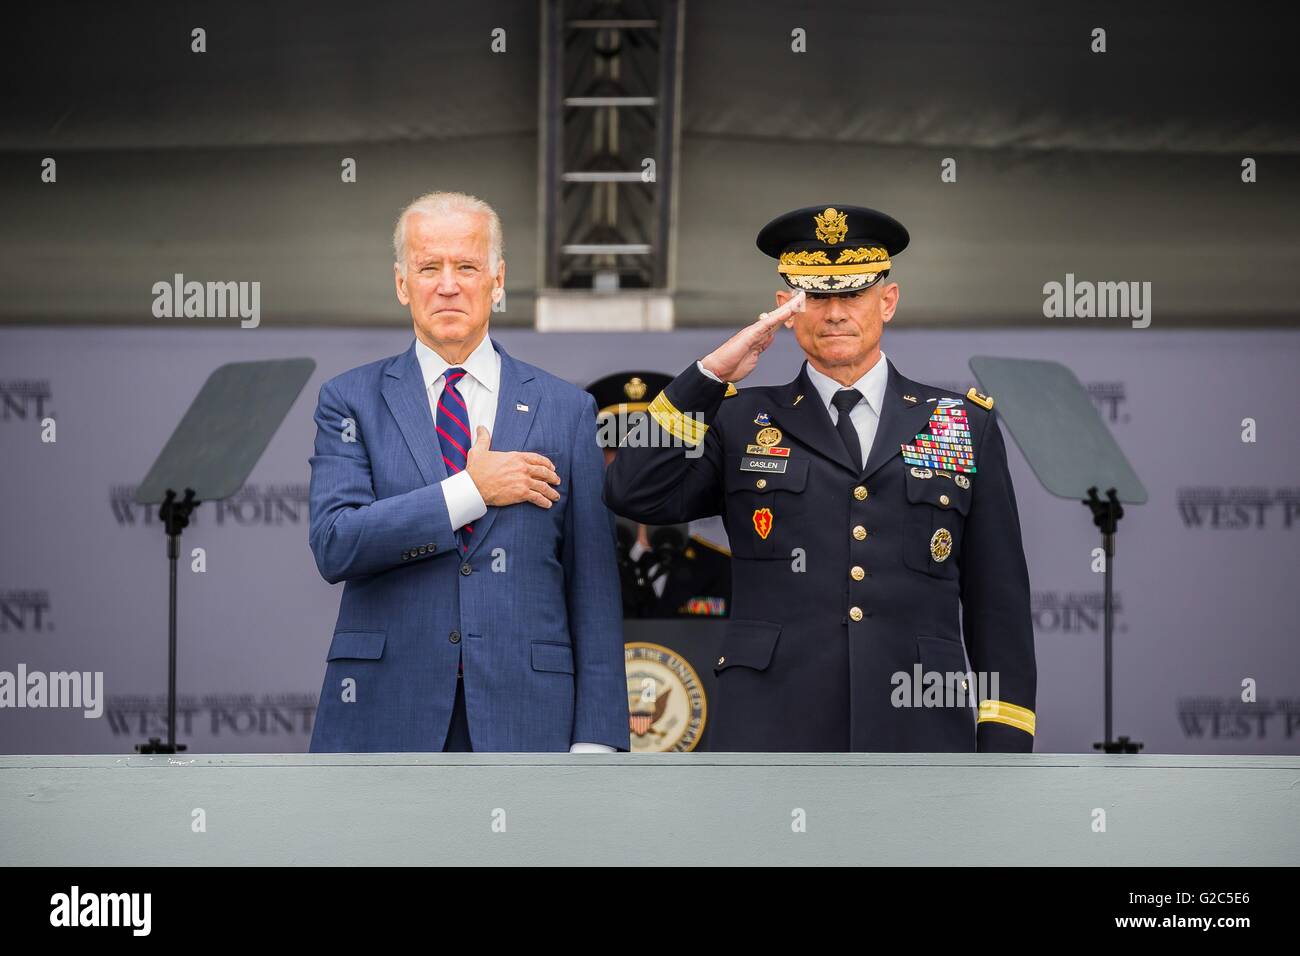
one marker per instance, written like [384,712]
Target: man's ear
[888,301]
[499,289]
[400,281]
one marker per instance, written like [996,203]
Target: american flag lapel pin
[520,407]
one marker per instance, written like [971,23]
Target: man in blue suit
[457,493]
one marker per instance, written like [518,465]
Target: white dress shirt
[480,388]
[865,415]
[659,583]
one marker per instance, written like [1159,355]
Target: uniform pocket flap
[748,644]
[941,491]
[746,470]
[549,656]
[357,645]
[941,654]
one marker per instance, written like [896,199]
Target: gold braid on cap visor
[815,262]
[812,269]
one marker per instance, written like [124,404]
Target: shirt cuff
[581,748]
[464,504]
[700,366]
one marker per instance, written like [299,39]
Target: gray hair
[442,203]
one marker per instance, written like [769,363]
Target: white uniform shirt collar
[483,364]
[871,384]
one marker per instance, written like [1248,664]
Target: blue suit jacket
[534,607]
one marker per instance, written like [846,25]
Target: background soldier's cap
[829,250]
[625,392]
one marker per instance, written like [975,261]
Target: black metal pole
[1108,624]
[1106,515]
[175,516]
[173,556]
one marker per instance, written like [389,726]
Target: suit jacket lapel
[809,421]
[408,400]
[900,420]
[518,387]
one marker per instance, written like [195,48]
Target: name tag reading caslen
[763,463]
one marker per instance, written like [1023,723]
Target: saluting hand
[737,357]
[509,477]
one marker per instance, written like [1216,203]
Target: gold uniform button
[943,500]
[761,483]
[860,533]
[857,573]
[860,493]
[855,613]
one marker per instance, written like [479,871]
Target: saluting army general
[873,526]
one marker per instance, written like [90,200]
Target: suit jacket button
[857,573]
[423,550]
[943,500]
[432,547]
[860,533]
[855,613]
[721,661]
[454,637]
[860,492]
[466,570]
[406,555]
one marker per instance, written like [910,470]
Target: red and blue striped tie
[454,435]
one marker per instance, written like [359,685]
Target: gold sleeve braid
[687,428]
[999,711]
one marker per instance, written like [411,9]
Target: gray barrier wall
[553,809]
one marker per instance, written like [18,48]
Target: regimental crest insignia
[634,388]
[941,544]
[762,418]
[667,707]
[763,522]
[832,225]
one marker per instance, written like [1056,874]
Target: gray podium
[652,809]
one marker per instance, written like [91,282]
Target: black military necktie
[844,400]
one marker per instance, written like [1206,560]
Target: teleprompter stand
[210,455]
[1073,454]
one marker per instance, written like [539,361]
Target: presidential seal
[665,700]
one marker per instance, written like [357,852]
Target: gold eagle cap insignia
[635,389]
[832,225]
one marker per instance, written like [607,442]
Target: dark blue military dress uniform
[846,578]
